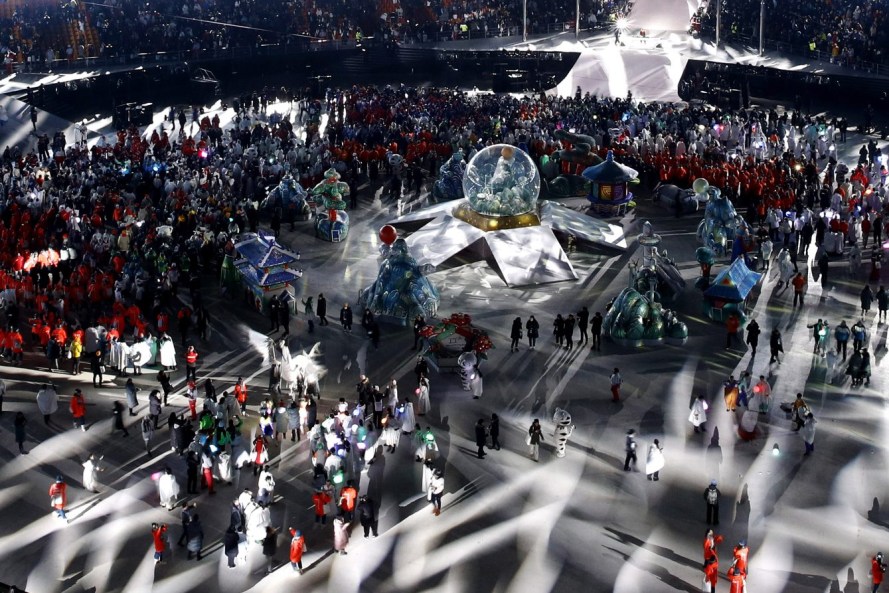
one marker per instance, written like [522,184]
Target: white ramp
[662,15]
[612,71]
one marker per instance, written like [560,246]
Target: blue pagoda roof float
[611,172]
[734,283]
[262,251]
[609,195]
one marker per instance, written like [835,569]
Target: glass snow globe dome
[501,180]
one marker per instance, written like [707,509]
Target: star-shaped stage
[525,249]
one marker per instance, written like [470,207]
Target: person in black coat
[421,369]
[515,334]
[270,547]
[583,321]
[596,330]
[559,329]
[532,326]
[753,332]
[419,324]
[117,424]
[322,310]
[367,515]
[568,332]
[193,464]
[230,544]
[236,520]
[274,317]
[194,534]
[494,431]
[776,345]
[481,437]
[346,317]
[311,413]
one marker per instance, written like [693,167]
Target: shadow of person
[713,456]
[742,515]
[852,585]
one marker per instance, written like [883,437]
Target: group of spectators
[29,33]
[849,31]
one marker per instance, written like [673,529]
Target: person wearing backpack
[711,496]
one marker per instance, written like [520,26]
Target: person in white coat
[698,415]
[167,353]
[266,487]
[90,474]
[257,519]
[654,461]
[423,402]
[168,489]
[808,431]
[47,402]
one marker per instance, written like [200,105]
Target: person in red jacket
[159,535]
[58,497]
[732,325]
[78,410]
[297,548]
[241,395]
[740,555]
[320,499]
[736,577]
[191,362]
[711,558]
[877,570]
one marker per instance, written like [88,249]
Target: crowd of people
[849,31]
[114,29]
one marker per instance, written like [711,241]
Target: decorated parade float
[449,185]
[683,201]
[722,229]
[453,344]
[563,171]
[401,290]
[328,197]
[609,191]
[501,220]
[730,291]
[266,269]
[290,197]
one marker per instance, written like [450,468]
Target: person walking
[230,541]
[346,317]
[419,324]
[20,424]
[78,409]
[654,461]
[168,489]
[882,304]
[191,364]
[159,537]
[596,330]
[583,322]
[297,549]
[808,431]
[147,433]
[322,310]
[367,515]
[192,467]
[270,547]
[481,437]
[867,298]
[698,415]
[711,497]
[535,437]
[47,402]
[348,498]
[568,331]
[131,390]
[91,471]
[435,491]
[76,351]
[340,535]
[776,345]
[117,419]
[494,431]
[515,334]
[58,497]
[616,382]
[753,332]
[630,449]
[532,326]
[154,406]
[320,499]
[842,334]
[558,329]
[877,571]
[732,325]
[166,385]
[799,283]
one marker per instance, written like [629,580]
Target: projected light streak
[60,447]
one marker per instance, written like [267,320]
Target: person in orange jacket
[711,558]
[58,497]
[740,555]
[348,497]
[78,410]
[799,288]
[241,395]
[732,325]
[297,548]
[736,577]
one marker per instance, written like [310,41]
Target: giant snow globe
[501,180]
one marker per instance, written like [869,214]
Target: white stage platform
[662,15]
